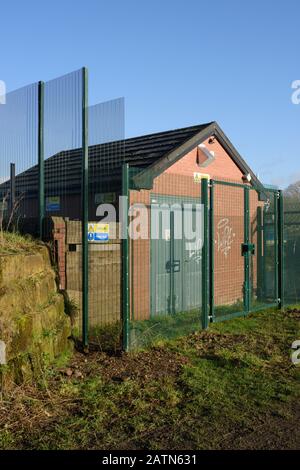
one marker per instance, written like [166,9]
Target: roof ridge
[196,127]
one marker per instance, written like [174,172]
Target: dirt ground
[230,387]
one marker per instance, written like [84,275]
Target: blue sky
[177,63]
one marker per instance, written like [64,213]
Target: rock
[78,374]
[2,353]
[34,328]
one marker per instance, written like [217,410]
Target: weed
[231,387]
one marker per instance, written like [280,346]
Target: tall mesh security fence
[165,256]
[264,236]
[245,238]
[18,153]
[106,158]
[107,122]
[228,263]
[63,145]
[291,249]
[63,166]
[146,235]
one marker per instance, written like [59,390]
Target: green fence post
[205,254]
[264,252]
[247,287]
[12,189]
[85,209]
[280,250]
[41,167]
[276,245]
[125,257]
[211,251]
[260,258]
[172,259]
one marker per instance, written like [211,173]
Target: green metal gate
[173,287]
[292,249]
[244,265]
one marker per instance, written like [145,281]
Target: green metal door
[175,261]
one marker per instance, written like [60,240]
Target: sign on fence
[98,232]
[53,204]
[200,176]
[105,198]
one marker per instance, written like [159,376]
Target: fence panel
[63,145]
[63,167]
[264,239]
[165,258]
[18,152]
[229,235]
[106,158]
[291,249]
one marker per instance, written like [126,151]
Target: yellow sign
[200,176]
[98,232]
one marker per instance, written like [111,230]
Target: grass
[232,386]
[150,332]
[14,243]
[146,333]
[106,338]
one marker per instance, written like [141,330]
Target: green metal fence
[59,158]
[162,263]
[246,249]
[174,285]
[143,257]
[291,250]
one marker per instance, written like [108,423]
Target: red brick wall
[222,167]
[229,235]
[59,238]
[140,265]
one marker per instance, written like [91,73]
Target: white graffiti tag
[225,236]
[195,251]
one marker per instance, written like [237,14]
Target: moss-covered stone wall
[34,328]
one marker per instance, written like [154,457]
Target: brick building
[169,168]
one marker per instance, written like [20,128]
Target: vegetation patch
[230,387]
[33,326]
[13,242]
